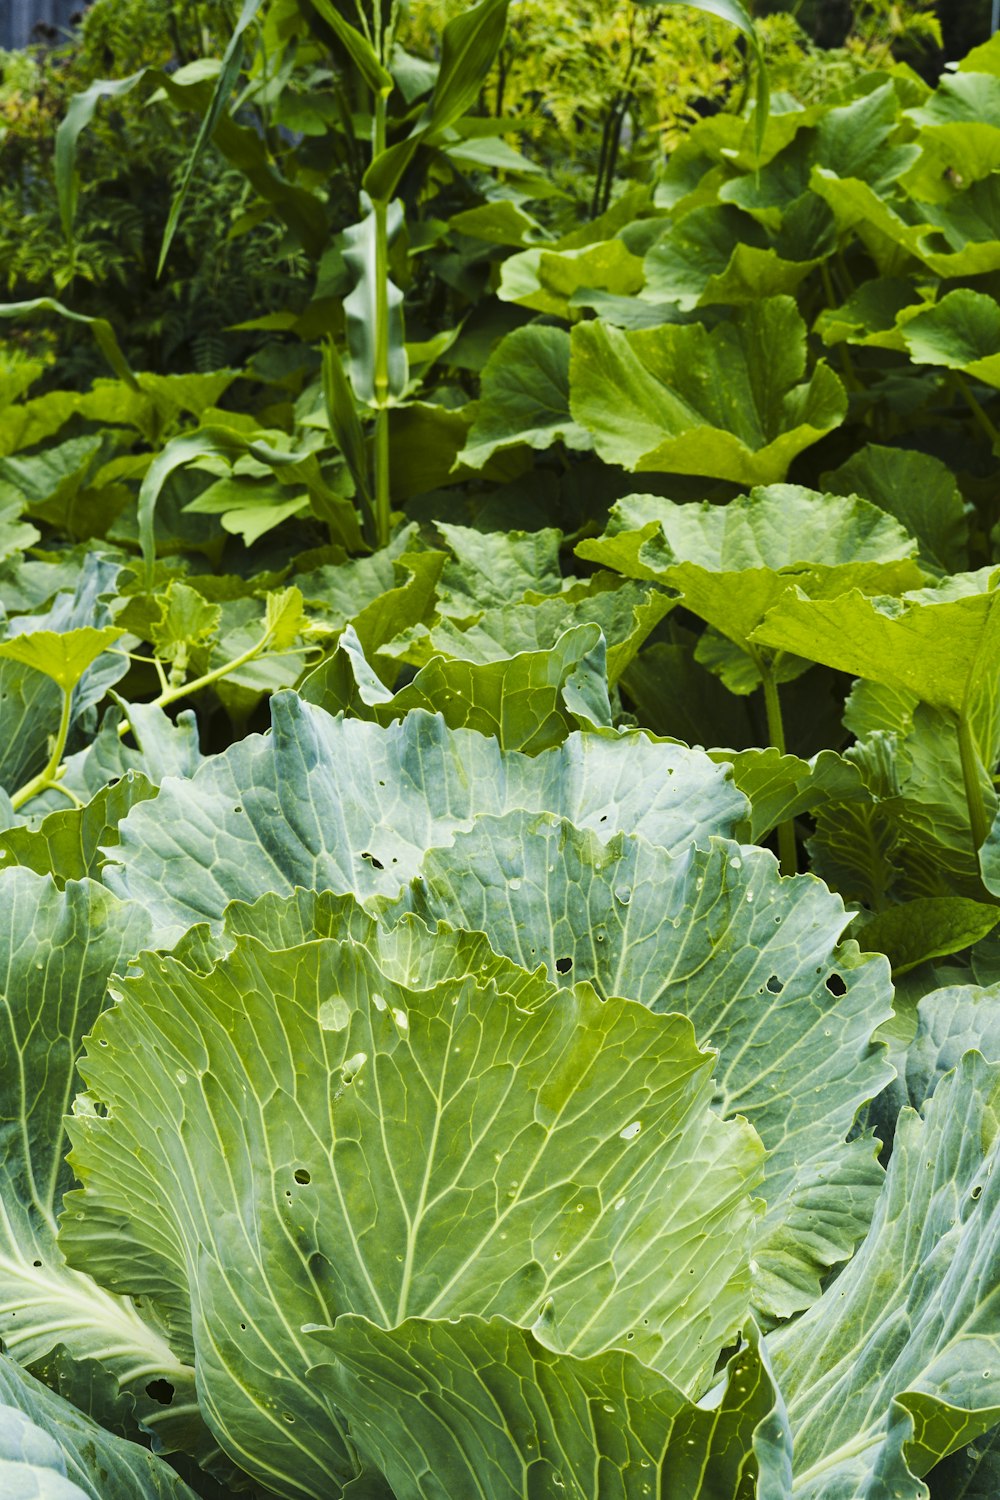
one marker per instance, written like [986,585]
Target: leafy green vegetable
[893,1369]
[420,1229]
[338,804]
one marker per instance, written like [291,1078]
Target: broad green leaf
[62,655]
[732,564]
[427,1161]
[718,254]
[524,397]
[477,1406]
[751,958]
[248,507]
[625,611]
[898,232]
[932,927]
[48,1451]
[947,654]
[185,619]
[726,404]
[380,595]
[498,222]
[548,280]
[950,1021]
[781,787]
[852,140]
[347,806]
[496,567]
[916,488]
[15,535]
[871,315]
[68,843]
[961,332]
[898,1363]
[17,377]
[774,527]
[989,857]
[530,700]
[57,951]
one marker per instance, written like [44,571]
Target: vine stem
[973,785]
[787,853]
[50,776]
[989,427]
[55,769]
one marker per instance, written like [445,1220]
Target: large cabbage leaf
[57,951]
[753,959]
[327,1140]
[49,1451]
[343,805]
[898,1364]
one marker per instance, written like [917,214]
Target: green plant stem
[973,785]
[846,362]
[987,425]
[381,372]
[188,689]
[54,768]
[787,853]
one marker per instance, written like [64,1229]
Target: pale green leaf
[57,951]
[898,1363]
[430,1152]
[751,958]
[62,655]
[347,806]
[524,397]
[68,843]
[729,403]
[530,700]
[475,1406]
[48,1451]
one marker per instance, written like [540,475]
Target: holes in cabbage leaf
[775,985]
[161,1391]
[370,859]
[563,965]
[836,985]
[301,1175]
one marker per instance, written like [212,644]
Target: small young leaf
[62,655]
